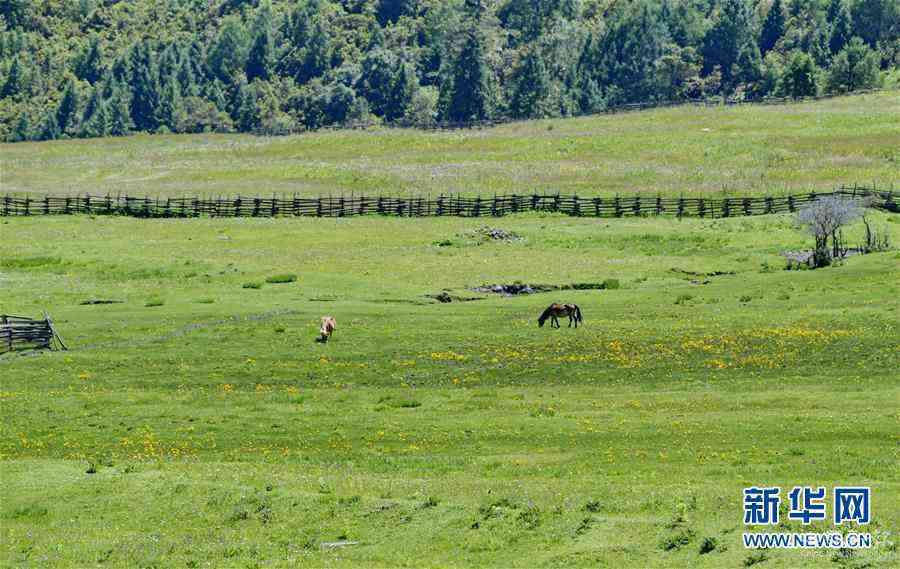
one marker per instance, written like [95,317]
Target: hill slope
[686,149]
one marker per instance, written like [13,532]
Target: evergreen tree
[145,88]
[67,112]
[469,93]
[119,106]
[531,88]
[50,128]
[376,80]
[22,130]
[855,67]
[389,11]
[170,108]
[317,59]
[16,81]
[93,103]
[629,52]
[187,77]
[773,27]
[841,28]
[260,60]
[89,66]
[228,55]
[876,20]
[729,36]
[799,76]
[99,124]
[215,93]
[403,91]
[248,115]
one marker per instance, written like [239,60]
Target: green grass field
[197,424]
[688,150]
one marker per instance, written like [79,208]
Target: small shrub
[745,298]
[154,302]
[429,502]
[708,545]
[611,284]
[279,329]
[684,298]
[677,540]
[530,517]
[253,284]
[91,469]
[593,506]
[755,557]
[279,279]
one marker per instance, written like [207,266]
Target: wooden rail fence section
[443,205]
[20,333]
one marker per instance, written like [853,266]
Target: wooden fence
[443,205]
[20,333]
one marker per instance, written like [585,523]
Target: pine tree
[67,112]
[799,77]
[16,81]
[215,93]
[260,60]
[50,129]
[403,91]
[317,59]
[855,67]
[228,55]
[120,123]
[727,38]
[187,78]
[376,80]
[145,88]
[99,124]
[89,66]
[841,28]
[22,130]
[773,27]
[531,88]
[248,116]
[93,103]
[170,107]
[469,93]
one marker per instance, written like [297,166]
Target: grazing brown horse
[328,326]
[556,310]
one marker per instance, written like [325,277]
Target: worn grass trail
[682,150]
[444,435]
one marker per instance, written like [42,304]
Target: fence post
[8,331]
[636,208]
[617,205]
[701,208]
[597,203]
[790,202]
[726,208]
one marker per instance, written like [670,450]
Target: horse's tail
[544,316]
[578,314]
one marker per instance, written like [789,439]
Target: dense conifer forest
[88,68]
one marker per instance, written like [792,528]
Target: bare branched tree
[824,218]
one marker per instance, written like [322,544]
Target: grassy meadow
[196,423]
[690,150]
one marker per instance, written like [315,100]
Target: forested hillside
[86,68]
